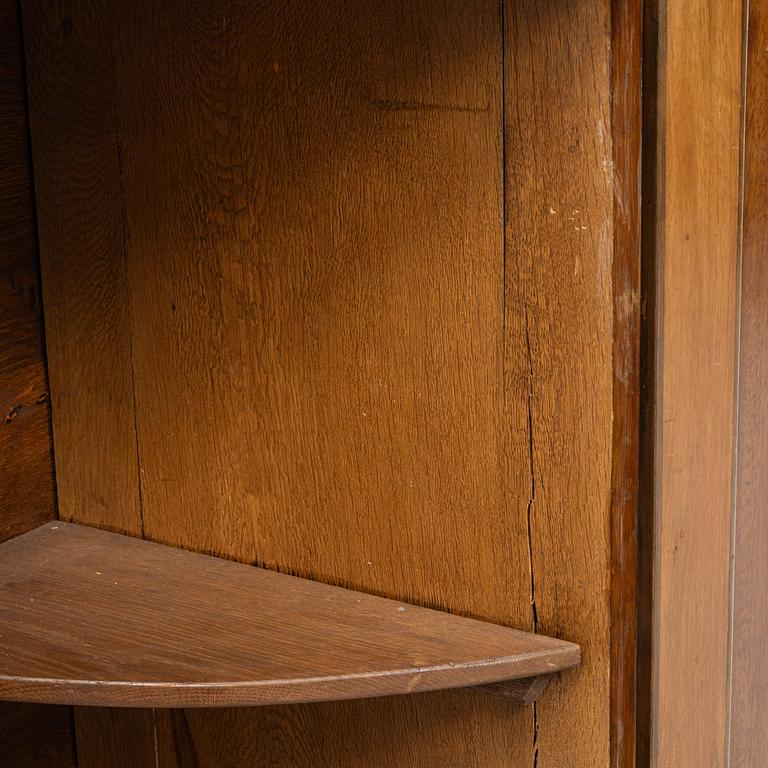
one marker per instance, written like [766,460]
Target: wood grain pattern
[558,348]
[77,184]
[344,367]
[626,121]
[699,114]
[243,636]
[650,262]
[26,484]
[749,680]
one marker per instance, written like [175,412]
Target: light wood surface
[749,681]
[698,238]
[160,627]
[344,364]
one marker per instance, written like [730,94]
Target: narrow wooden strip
[26,483]
[698,237]
[82,253]
[749,684]
[626,114]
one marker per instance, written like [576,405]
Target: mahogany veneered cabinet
[381,383]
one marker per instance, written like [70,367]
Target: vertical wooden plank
[749,682]
[80,214]
[649,394]
[353,438]
[26,485]
[559,384]
[626,122]
[699,134]
[30,736]
[82,250]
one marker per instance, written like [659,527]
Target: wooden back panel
[329,289]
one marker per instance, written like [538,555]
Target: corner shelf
[89,617]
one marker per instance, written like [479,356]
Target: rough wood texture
[626,114]
[210,632]
[26,482]
[698,237]
[344,365]
[558,348]
[749,681]
[80,230]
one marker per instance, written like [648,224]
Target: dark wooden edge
[650,190]
[525,690]
[626,116]
[209,695]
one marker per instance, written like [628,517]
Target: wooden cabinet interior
[336,289]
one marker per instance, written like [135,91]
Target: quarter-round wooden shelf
[96,618]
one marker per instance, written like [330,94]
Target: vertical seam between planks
[745,7]
[503,45]
[154,736]
[124,225]
[658,380]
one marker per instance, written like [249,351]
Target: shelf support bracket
[525,690]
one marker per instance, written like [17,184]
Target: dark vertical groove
[648,354]
[503,43]
[124,224]
[73,731]
[529,526]
[532,495]
[737,390]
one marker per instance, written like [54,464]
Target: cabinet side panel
[699,112]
